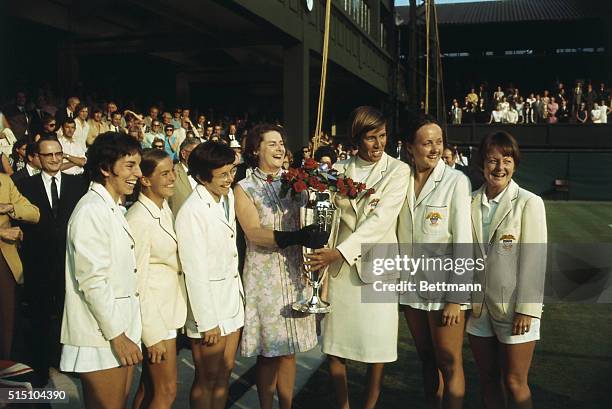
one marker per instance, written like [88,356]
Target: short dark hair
[503,141]
[364,119]
[69,121]
[150,159]
[80,107]
[207,157]
[326,151]
[30,150]
[106,150]
[116,113]
[418,123]
[254,138]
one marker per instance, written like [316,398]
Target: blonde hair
[364,119]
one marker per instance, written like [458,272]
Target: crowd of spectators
[77,124]
[582,104]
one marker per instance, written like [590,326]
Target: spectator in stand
[82,125]
[153,116]
[166,119]
[456,113]
[604,93]
[553,107]
[577,97]
[97,126]
[156,131]
[563,113]
[170,141]
[561,96]
[496,115]
[326,155]
[135,132]
[519,105]
[512,115]
[158,143]
[17,159]
[184,184]
[546,97]
[605,111]
[504,107]
[111,108]
[472,97]
[590,97]
[115,123]
[529,112]
[481,116]
[176,119]
[538,109]
[596,114]
[497,95]
[200,126]
[32,166]
[49,127]
[483,96]
[74,151]
[69,112]
[18,116]
[582,115]
[38,115]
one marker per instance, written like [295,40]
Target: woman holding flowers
[365,332]
[272,274]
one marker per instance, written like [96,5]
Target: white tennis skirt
[88,359]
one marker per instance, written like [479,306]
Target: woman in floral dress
[272,276]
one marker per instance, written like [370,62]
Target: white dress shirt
[192,181]
[489,207]
[31,170]
[72,148]
[46,178]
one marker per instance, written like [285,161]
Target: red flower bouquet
[318,178]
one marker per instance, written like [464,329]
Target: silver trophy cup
[320,211]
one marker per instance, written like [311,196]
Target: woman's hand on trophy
[314,237]
[322,258]
[309,236]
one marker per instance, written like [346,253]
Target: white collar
[496,199]
[47,177]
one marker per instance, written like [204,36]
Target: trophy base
[312,306]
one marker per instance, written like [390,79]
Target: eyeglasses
[52,125]
[158,146]
[155,125]
[227,175]
[59,155]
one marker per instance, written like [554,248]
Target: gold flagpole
[317,137]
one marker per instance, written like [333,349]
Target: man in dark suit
[43,252]
[18,116]
[68,112]
[32,166]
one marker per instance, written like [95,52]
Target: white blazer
[208,254]
[370,220]
[161,284]
[439,215]
[513,278]
[100,272]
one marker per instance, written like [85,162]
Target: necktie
[54,198]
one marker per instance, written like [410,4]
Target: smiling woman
[101,325]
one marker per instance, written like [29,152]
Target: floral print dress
[273,278]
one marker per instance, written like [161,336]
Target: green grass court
[572,365]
